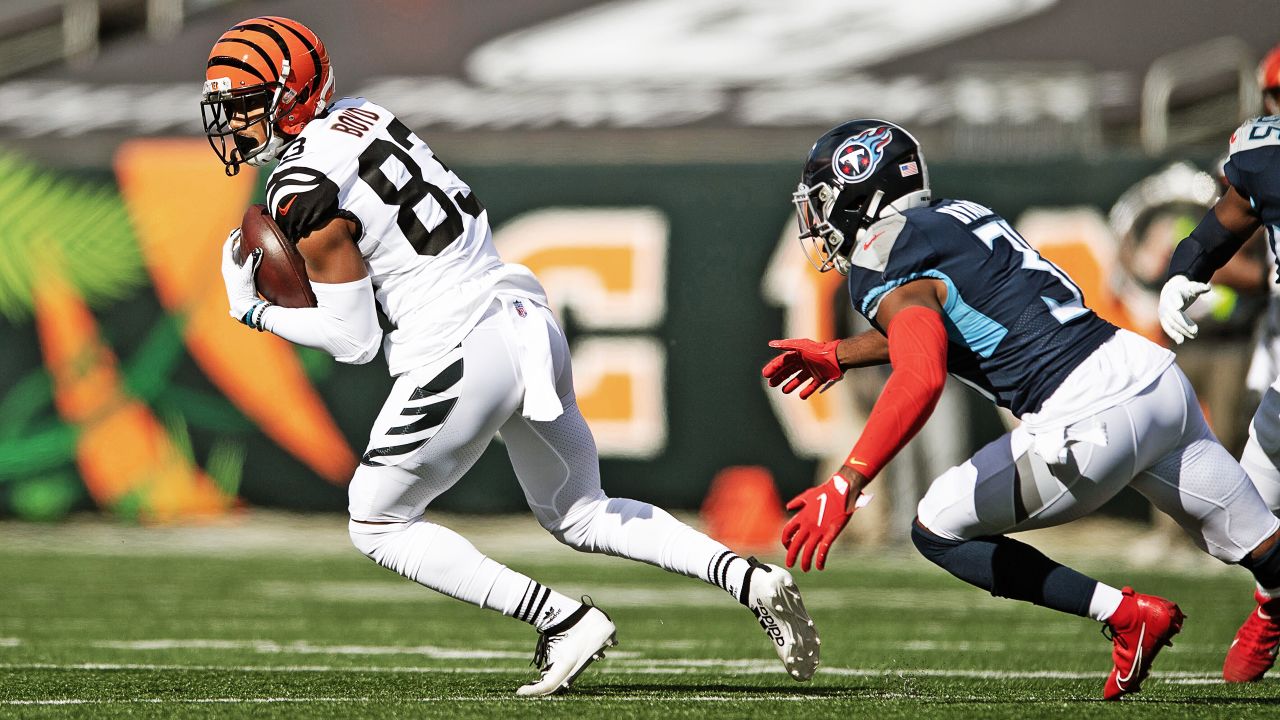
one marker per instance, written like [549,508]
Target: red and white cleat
[1139,628]
[1253,652]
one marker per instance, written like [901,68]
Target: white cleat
[566,649]
[775,600]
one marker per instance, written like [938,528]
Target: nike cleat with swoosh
[1150,624]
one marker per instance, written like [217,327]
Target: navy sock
[1266,569]
[1008,568]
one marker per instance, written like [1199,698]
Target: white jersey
[424,236]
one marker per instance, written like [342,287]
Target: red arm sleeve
[918,353]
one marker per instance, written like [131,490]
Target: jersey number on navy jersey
[1064,298]
[413,191]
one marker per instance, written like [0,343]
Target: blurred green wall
[724,224]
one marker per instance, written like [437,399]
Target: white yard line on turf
[305,648]
[622,666]
[957,600]
[644,697]
[492,651]
[160,701]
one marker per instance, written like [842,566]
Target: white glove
[242,294]
[1175,297]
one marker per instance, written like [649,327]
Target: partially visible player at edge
[949,286]
[1252,200]
[474,350]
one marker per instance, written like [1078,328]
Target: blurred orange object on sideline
[742,509]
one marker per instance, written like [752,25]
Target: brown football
[282,274]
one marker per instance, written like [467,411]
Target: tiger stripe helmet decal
[266,69]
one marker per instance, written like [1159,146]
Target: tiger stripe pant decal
[415,433]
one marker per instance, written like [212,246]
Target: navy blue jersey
[1016,324]
[1253,169]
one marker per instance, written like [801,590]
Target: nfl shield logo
[520,309]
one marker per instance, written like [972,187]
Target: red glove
[808,361]
[821,517]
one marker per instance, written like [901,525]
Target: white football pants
[1157,442]
[437,421]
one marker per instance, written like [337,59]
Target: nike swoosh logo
[867,245]
[284,209]
[1137,660]
[822,507]
[853,462]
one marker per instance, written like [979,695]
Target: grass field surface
[275,616]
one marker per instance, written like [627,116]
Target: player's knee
[579,527]
[597,525]
[934,547]
[372,538]
[573,537]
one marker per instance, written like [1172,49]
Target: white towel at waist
[537,367]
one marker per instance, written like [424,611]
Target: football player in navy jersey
[1251,201]
[950,287]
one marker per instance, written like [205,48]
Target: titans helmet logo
[858,157]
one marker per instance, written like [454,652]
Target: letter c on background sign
[607,267]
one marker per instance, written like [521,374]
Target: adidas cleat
[567,648]
[1153,621]
[775,600]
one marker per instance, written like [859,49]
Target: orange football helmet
[1269,81]
[269,70]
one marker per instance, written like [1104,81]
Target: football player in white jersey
[475,351]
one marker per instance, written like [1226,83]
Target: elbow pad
[1207,249]
[344,322]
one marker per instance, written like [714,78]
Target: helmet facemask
[229,113]
[825,228]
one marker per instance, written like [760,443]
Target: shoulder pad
[873,252]
[302,191]
[1255,133]
[301,199]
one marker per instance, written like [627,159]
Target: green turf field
[127,624]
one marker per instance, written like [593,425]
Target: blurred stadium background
[638,155]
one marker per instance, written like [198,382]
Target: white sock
[438,558]
[729,572]
[640,531]
[539,605]
[1104,603]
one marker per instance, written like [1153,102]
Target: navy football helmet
[856,174]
